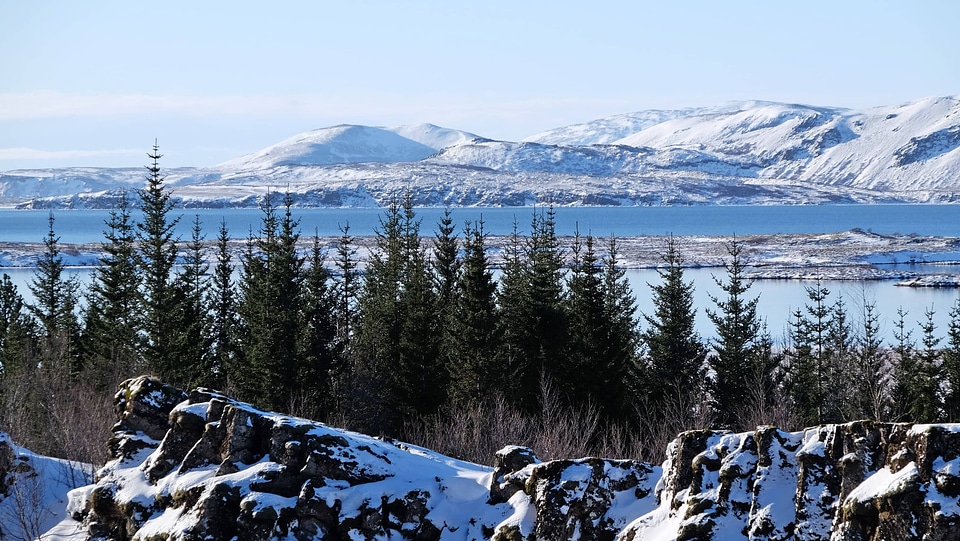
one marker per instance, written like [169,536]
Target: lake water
[82,226]
[778,298]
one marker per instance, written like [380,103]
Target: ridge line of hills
[753,152]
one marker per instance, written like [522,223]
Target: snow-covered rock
[205,466]
[225,470]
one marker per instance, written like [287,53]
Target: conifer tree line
[425,326]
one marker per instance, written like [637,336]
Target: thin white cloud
[47,104]
[37,154]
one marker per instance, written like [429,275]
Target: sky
[97,83]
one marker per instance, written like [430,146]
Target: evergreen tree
[586,377]
[376,345]
[11,308]
[346,286]
[513,329]
[270,311]
[531,312]
[55,304]
[905,370]
[112,317]
[446,263]
[474,334]
[544,313]
[673,370]
[17,333]
[157,255]
[838,400]
[221,297]
[950,368]
[870,381]
[925,406]
[421,379]
[192,342]
[809,368]
[622,341]
[319,352]
[738,329]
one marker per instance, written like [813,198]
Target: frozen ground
[849,255]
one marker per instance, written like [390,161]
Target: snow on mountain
[902,148]
[433,136]
[740,153]
[605,131]
[337,144]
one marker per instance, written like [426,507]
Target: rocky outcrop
[204,466]
[225,470]
[856,481]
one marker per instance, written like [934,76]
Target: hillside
[204,466]
[741,153]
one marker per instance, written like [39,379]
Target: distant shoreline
[849,255]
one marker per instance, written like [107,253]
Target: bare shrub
[473,431]
[661,423]
[56,415]
[477,430]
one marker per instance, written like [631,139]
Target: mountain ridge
[751,152]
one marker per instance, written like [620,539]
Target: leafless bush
[473,431]
[477,430]
[661,423]
[57,415]
[24,519]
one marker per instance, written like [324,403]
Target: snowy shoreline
[911,260]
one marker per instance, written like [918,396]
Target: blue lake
[778,298]
[82,226]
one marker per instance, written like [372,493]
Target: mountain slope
[740,153]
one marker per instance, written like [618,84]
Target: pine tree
[270,309]
[838,400]
[871,374]
[544,315]
[474,334]
[319,350]
[17,333]
[11,308]
[221,297]
[586,376]
[346,286]
[112,318]
[926,380]
[421,379]
[905,369]
[622,341]
[515,334]
[192,342]
[673,371]
[809,371]
[158,253]
[950,368]
[738,329]
[55,304]
[446,263]
[376,345]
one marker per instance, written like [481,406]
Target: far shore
[850,255]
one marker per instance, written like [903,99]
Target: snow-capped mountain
[751,152]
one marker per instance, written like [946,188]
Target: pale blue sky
[93,83]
